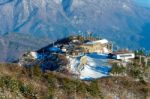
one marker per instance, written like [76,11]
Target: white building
[98,46]
[123,55]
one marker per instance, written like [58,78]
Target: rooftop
[102,41]
[122,52]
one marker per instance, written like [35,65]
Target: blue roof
[55,49]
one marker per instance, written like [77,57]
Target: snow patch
[103,41]
[96,66]
[34,55]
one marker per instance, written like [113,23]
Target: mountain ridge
[54,19]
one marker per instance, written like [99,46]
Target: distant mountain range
[125,22]
[13,45]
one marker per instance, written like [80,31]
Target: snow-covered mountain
[123,21]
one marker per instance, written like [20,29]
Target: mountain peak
[121,21]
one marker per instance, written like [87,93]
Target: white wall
[125,56]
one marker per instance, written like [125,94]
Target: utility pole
[140,60]
[146,61]
[75,92]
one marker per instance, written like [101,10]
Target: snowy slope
[97,66]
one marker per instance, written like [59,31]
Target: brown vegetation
[31,83]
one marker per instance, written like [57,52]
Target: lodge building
[98,46]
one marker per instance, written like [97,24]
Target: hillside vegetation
[31,83]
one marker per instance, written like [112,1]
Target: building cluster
[81,56]
[75,46]
[78,45]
